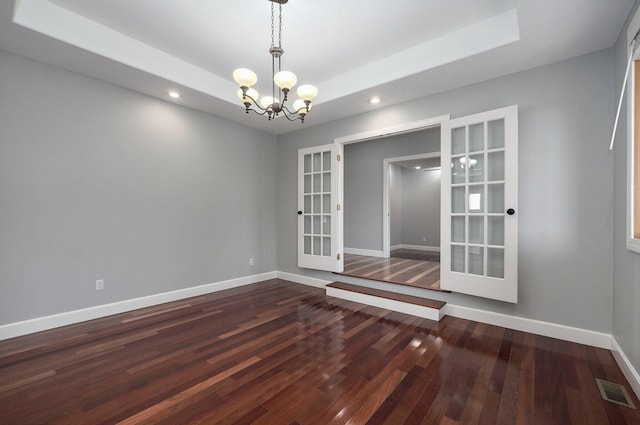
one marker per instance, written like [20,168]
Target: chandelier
[282,82]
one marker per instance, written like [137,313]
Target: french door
[479,230]
[318,208]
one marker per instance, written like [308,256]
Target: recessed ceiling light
[174,94]
[418,167]
[374,100]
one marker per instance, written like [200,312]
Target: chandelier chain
[272,26]
[279,26]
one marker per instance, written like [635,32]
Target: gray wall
[395,204]
[363,183]
[98,182]
[626,271]
[421,207]
[565,209]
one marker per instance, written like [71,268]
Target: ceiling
[351,50]
[425,164]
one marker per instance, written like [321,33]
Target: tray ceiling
[350,49]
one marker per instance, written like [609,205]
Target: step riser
[399,306]
[394,287]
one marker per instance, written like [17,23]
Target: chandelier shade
[281,84]
[267,102]
[245,77]
[285,79]
[251,94]
[307,92]
[302,107]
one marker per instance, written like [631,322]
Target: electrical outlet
[99,285]
[424,239]
[251,261]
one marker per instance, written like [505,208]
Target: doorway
[411,206]
[479,223]
[381,201]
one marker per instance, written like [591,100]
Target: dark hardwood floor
[399,270]
[414,254]
[281,353]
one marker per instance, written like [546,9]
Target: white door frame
[386,213]
[375,134]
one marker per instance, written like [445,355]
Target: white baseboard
[416,247]
[387,304]
[310,281]
[625,365]
[567,333]
[25,327]
[553,330]
[367,252]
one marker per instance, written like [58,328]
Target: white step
[416,306]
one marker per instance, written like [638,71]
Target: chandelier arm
[264,111]
[255,103]
[297,112]
[292,119]
[289,111]
[284,112]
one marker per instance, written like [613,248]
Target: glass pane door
[317,203]
[316,214]
[477,192]
[479,203]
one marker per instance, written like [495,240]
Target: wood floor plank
[402,271]
[414,254]
[281,353]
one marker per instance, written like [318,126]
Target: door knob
[299,212]
[511,211]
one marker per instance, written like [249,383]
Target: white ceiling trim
[480,37]
[56,22]
[523,34]
[64,25]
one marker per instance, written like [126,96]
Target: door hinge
[338,257]
[338,158]
[338,207]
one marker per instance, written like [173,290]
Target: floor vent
[614,393]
